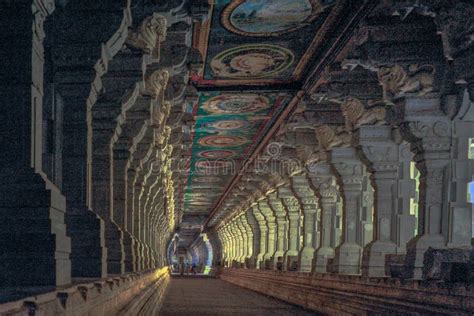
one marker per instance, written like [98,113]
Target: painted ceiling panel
[261,41]
[228,127]
[250,46]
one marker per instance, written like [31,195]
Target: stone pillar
[102,128]
[243,239]
[248,237]
[309,204]
[406,221]
[120,155]
[271,234]
[324,182]
[351,173]
[380,152]
[462,164]
[253,225]
[293,209]
[238,240]
[430,133]
[34,248]
[282,222]
[223,240]
[262,224]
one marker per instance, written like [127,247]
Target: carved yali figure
[396,81]
[329,137]
[150,32]
[356,114]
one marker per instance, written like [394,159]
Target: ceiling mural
[228,127]
[247,47]
[261,41]
[269,17]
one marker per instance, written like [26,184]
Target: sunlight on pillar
[470,185]
[301,232]
[415,175]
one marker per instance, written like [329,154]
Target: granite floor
[210,296]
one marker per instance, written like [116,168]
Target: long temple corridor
[236,157]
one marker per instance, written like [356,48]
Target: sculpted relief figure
[155,83]
[329,137]
[150,32]
[356,114]
[396,81]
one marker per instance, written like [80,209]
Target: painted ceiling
[249,48]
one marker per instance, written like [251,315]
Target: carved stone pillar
[462,164]
[244,239]
[232,245]
[262,224]
[102,129]
[255,230]
[380,152]
[351,175]
[228,246]
[308,201]
[282,222]
[293,207]
[34,248]
[406,189]
[271,234]
[324,182]
[239,240]
[429,132]
[248,239]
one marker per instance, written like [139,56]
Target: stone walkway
[209,296]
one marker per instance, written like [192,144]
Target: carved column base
[279,256]
[305,261]
[416,249]
[321,259]
[373,258]
[128,251]
[268,261]
[114,244]
[34,248]
[347,258]
[290,260]
[260,261]
[88,252]
[406,227]
[136,253]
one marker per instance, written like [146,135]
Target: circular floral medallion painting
[270,17]
[216,154]
[228,125]
[236,104]
[222,141]
[252,61]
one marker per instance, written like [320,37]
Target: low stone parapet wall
[343,294]
[122,295]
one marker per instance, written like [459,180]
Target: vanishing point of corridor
[205,296]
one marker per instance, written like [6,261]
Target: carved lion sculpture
[329,137]
[396,81]
[356,114]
